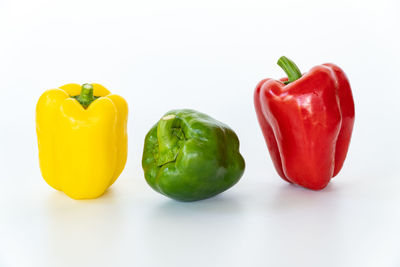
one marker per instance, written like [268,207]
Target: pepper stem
[86,97]
[290,68]
[168,139]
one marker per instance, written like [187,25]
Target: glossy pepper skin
[307,122]
[190,156]
[82,145]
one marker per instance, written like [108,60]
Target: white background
[206,55]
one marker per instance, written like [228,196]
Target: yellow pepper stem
[86,97]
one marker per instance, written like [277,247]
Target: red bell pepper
[307,121]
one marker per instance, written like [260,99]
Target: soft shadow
[60,197]
[71,225]
[218,205]
[291,196]
[175,226]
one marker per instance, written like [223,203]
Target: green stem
[290,68]
[168,139]
[86,97]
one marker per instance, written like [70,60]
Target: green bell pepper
[190,156]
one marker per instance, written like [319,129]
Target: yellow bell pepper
[82,138]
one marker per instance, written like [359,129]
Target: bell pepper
[307,122]
[82,138]
[189,156]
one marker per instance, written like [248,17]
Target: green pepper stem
[290,68]
[86,97]
[167,142]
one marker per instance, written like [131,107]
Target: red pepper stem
[86,97]
[290,68]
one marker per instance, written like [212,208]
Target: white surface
[161,55]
